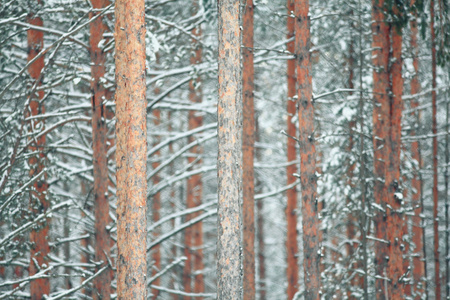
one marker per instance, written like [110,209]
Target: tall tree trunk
[229,161]
[394,207]
[248,152]
[380,60]
[39,203]
[307,152]
[102,283]
[435,158]
[131,158]
[416,185]
[292,270]
[194,234]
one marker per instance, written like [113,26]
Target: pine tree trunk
[292,269]
[229,164]
[131,158]
[248,152]
[39,203]
[394,212]
[380,60]
[435,158]
[102,283]
[308,176]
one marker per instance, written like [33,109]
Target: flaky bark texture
[292,271]
[39,203]
[435,157]
[307,152]
[102,283]
[194,234]
[229,161]
[380,60]
[394,209]
[418,258]
[248,152]
[131,134]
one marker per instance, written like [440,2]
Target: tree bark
[38,196]
[229,164]
[380,60]
[292,269]
[394,208]
[248,152]
[102,283]
[307,152]
[435,158]
[131,133]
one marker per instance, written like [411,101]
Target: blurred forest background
[48,153]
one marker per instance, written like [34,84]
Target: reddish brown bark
[307,152]
[292,270]
[435,157]
[102,283]
[39,203]
[131,147]
[194,234]
[380,60]
[416,184]
[394,207]
[248,152]
[229,161]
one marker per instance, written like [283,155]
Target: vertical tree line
[131,156]
[186,150]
